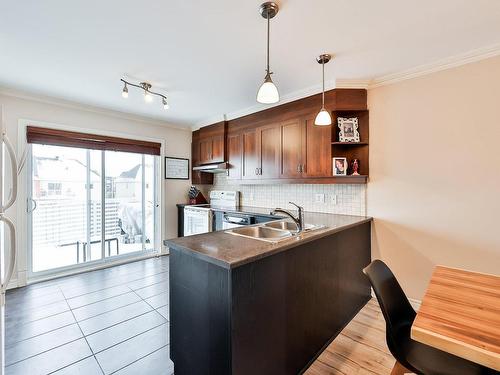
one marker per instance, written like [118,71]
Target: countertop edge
[315,236]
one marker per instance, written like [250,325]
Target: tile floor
[111,321]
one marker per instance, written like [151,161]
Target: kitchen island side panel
[199,315]
[287,307]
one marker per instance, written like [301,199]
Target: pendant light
[268,92]
[323,118]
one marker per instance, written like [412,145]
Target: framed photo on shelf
[176,168]
[348,129]
[340,166]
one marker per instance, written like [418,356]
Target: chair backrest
[392,300]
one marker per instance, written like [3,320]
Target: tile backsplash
[338,199]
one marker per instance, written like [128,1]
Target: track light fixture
[148,94]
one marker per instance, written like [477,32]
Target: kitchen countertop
[230,251]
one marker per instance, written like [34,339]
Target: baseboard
[12,284]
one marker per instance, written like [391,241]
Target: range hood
[212,168]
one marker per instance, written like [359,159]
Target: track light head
[165,104]
[125,90]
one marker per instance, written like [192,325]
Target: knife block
[199,199]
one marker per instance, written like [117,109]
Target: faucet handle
[296,205]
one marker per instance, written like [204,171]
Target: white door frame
[23,241]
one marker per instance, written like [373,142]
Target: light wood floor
[360,349]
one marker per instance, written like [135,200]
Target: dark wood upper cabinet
[213,143]
[234,156]
[195,148]
[205,151]
[292,148]
[268,151]
[198,177]
[306,149]
[282,145]
[218,154]
[317,150]
[249,168]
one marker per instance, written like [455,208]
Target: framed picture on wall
[340,166]
[348,129]
[176,168]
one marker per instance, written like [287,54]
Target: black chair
[411,356]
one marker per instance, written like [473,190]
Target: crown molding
[87,108]
[422,70]
[352,83]
[295,95]
[437,66]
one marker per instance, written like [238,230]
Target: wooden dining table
[460,314]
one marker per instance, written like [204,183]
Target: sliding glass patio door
[88,206]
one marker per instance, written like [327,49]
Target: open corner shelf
[359,179]
[350,143]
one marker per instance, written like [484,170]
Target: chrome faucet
[299,220]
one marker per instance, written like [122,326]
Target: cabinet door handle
[260,171]
[302,168]
[256,170]
[298,168]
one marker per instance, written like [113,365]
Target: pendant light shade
[268,92]
[323,118]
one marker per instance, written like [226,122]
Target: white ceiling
[209,56]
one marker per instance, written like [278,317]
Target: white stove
[224,199]
[199,218]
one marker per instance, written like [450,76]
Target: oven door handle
[229,219]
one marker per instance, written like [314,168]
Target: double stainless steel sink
[273,231]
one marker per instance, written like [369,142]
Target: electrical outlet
[333,199]
[320,198]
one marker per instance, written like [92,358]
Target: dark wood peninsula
[244,306]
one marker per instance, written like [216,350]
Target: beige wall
[177,141]
[434,187]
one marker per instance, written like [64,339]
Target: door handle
[13,169]
[33,206]
[12,256]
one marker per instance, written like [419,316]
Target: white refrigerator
[7,248]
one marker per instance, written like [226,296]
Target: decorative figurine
[355,167]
